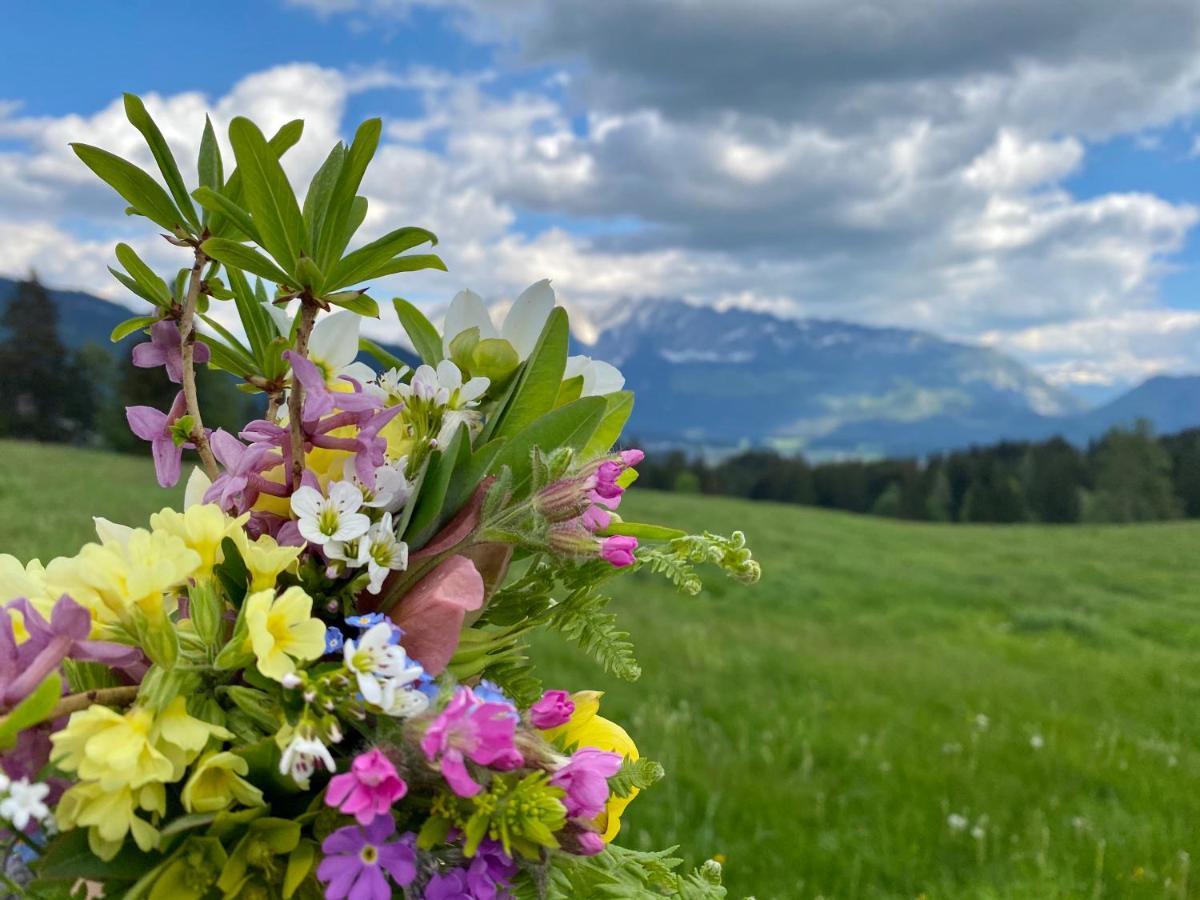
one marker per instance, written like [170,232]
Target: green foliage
[641,774]
[34,709]
[627,874]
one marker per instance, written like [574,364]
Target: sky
[1013,172]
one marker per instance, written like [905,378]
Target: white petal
[600,378]
[360,372]
[473,389]
[527,318]
[335,340]
[575,366]
[307,502]
[350,527]
[197,484]
[466,311]
[345,497]
[281,317]
[448,375]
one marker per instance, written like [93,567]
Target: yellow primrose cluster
[123,761]
[133,571]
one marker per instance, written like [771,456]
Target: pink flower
[166,349]
[431,615]
[590,843]
[585,779]
[618,550]
[154,426]
[369,789]
[554,709]
[470,729]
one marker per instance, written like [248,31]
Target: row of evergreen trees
[1129,475]
[50,393]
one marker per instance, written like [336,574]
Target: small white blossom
[325,519]
[599,378]
[405,702]
[380,666]
[956,823]
[301,757]
[388,387]
[25,803]
[978,833]
[1037,742]
[384,553]
[982,722]
[392,488]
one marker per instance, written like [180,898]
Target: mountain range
[717,380]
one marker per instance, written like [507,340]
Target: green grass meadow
[897,710]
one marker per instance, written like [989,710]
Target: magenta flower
[151,425]
[590,843]
[554,709]
[449,885]
[471,729]
[239,485]
[359,860]
[618,550]
[585,779]
[166,349]
[318,399]
[369,789]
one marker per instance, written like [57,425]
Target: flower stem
[187,336]
[308,317]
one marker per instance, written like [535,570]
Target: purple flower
[24,667]
[359,860]
[618,550]
[471,729]
[154,426]
[166,349]
[239,485]
[318,399]
[590,843]
[449,885]
[585,779]
[490,871]
[554,709]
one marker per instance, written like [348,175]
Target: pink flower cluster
[475,730]
[581,505]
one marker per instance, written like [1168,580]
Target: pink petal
[432,613]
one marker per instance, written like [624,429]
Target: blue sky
[1004,171]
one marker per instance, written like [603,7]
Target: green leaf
[320,189]
[216,203]
[536,388]
[141,192]
[355,301]
[231,340]
[431,501]
[209,168]
[68,858]
[129,326]
[256,321]
[385,359]
[371,259]
[31,711]
[418,486]
[229,361]
[267,194]
[494,359]
[299,864]
[643,532]
[132,286]
[414,263]
[139,118]
[144,275]
[424,337]
[466,477]
[619,406]
[239,256]
[340,213]
[567,426]
[570,389]
[282,141]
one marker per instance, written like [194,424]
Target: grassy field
[895,711]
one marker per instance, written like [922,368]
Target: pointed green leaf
[239,256]
[228,360]
[31,711]
[139,118]
[133,286]
[355,301]
[367,261]
[231,341]
[415,263]
[282,141]
[129,326]
[219,204]
[537,385]
[425,338]
[320,189]
[340,212]
[256,321]
[141,192]
[209,168]
[267,194]
[616,414]
[143,275]
[430,502]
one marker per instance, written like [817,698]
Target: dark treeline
[48,393]
[1129,475]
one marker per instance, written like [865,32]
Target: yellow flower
[109,815]
[27,581]
[111,578]
[180,737]
[588,729]
[112,749]
[328,465]
[216,783]
[202,528]
[282,630]
[265,559]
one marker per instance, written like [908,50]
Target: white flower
[4,782]
[322,520]
[956,823]
[389,385]
[599,377]
[522,326]
[352,554]
[380,666]
[198,484]
[978,833]
[982,721]
[404,703]
[384,553]
[392,488]
[1037,742]
[300,759]
[333,345]
[25,803]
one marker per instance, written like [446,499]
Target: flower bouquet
[313,680]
